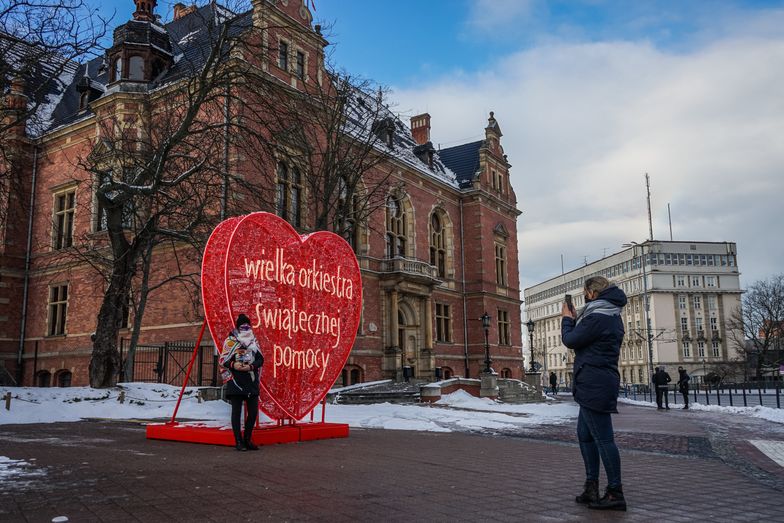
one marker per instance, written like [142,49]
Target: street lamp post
[530,326]
[486,325]
[646,310]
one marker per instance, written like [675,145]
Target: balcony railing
[410,266]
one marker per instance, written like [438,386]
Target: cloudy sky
[591,95]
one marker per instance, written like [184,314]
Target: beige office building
[693,287]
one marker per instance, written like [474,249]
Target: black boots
[250,445]
[240,445]
[590,493]
[612,500]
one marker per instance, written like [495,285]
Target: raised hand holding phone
[568,307]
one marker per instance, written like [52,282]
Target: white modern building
[693,287]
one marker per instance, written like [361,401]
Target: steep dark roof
[191,37]
[463,160]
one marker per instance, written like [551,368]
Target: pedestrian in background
[554,383]
[595,335]
[660,380]
[683,385]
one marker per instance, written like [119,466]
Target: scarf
[598,307]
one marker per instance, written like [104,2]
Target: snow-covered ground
[770,414]
[455,412]
[458,411]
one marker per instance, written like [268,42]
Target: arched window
[43,378]
[506,373]
[356,376]
[84,99]
[136,68]
[118,72]
[396,228]
[437,244]
[447,373]
[63,378]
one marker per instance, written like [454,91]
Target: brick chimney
[15,103]
[181,10]
[420,128]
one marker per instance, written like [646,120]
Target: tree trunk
[105,361]
[139,313]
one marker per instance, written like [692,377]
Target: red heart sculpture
[304,297]
[216,306]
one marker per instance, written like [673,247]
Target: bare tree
[757,326]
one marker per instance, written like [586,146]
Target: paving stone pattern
[108,471]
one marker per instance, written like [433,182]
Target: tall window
[396,228]
[283,56]
[710,281]
[300,65]
[695,281]
[504,334]
[288,199]
[118,69]
[710,302]
[437,245]
[685,325]
[686,349]
[136,68]
[348,207]
[682,302]
[282,198]
[58,308]
[296,197]
[697,301]
[500,264]
[63,219]
[680,281]
[701,349]
[698,325]
[716,349]
[443,322]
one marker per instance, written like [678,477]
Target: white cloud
[488,16]
[582,124]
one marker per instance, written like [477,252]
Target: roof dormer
[141,50]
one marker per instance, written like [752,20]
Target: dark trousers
[252,408]
[662,391]
[595,434]
[685,392]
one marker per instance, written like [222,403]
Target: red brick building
[448,256]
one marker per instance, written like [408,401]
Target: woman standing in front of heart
[242,359]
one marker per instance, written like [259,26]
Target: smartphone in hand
[568,300]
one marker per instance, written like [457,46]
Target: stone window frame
[62,241]
[505,328]
[289,192]
[443,316]
[57,309]
[284,50]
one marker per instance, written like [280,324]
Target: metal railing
[725,394]
[168,363]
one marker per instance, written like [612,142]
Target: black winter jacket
[596,337]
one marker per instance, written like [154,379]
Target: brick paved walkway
[108,471]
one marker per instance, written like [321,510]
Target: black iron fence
[727,394]
[168,363]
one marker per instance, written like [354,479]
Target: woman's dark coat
[596,342]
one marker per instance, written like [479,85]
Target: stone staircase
[516,391]
[388,392]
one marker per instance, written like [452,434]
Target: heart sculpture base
[266,434]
